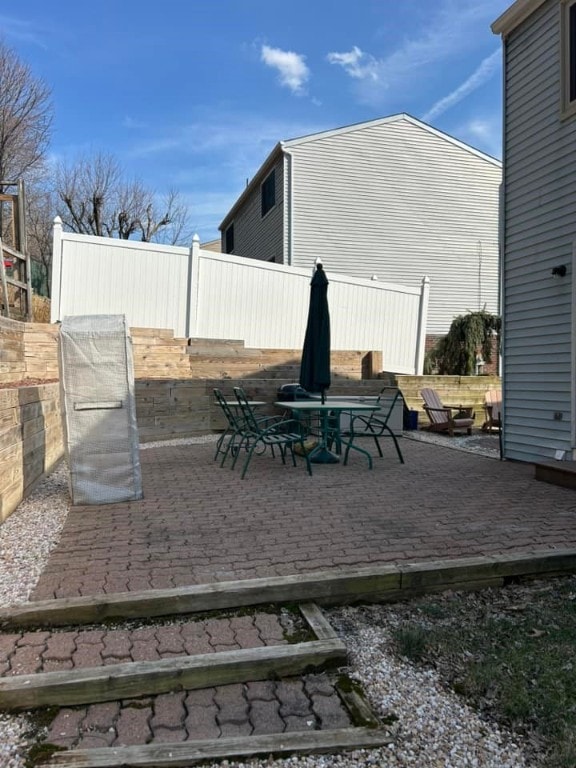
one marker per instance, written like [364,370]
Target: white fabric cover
[99,409]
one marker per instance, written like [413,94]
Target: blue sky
[194,94]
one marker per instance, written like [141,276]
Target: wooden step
[215,347]
[378,582]
[110,682]
[561,473]
[134,679]
[190,753]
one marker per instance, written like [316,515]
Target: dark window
[269,193]
[572,52]
[229,239]
[568,58]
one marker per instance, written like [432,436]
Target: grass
[511,653]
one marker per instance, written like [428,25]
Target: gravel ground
[433,729]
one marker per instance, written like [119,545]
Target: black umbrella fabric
[315,363]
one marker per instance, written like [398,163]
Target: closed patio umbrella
[315,363]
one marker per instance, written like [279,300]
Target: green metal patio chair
[270,432]
[234,423]
[374,425]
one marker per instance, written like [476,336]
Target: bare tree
[25,117]
[93,198]
[86,192]
[40,208]
[166,221]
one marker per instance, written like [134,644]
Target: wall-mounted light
[559,271]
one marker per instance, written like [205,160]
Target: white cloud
[156,146]
[481,74]
[450,33]
[356,63]
[132,123]
[221,132]
[21,30]
[484,132]
[291,67]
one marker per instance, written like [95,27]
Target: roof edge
[287,143]
[401,116]
[259,175]
[515,15]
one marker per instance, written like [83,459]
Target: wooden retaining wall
[174,382]
[30,440]
[453,390]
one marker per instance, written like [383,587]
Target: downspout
[573,349]
[501,258]
[422,326]
[288,206]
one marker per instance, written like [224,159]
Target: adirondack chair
[492,408]
[446,418]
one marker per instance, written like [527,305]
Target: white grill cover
[99,409]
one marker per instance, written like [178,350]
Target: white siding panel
[540,229]
[397,201]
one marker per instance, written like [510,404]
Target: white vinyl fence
[203,294]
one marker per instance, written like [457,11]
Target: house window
[269,191]
[229,239]
[568,55]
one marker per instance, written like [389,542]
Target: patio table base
[321,455]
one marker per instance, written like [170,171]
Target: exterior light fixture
[559,271]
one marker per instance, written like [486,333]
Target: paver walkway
[24,653]
[199,523]
[249,709]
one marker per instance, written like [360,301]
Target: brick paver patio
[199,523]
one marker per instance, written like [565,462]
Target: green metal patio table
[330,428]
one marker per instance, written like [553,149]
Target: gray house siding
[539,232]
[257,236]
[398,201]
[391,198]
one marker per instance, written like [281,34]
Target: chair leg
[226,451]
[219,444]
[360,450]
[398,451]
[250,452]
[306,457]
[237,448]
